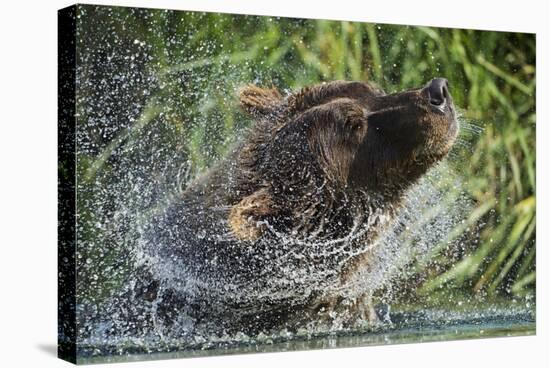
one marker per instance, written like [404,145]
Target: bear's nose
[438,91]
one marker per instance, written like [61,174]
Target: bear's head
[344,137]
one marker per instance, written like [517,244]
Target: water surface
[409,325]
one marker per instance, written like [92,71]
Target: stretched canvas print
[235,183]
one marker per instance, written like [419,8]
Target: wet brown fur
[314,163]
[335,145]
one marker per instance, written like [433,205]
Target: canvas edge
[66,184]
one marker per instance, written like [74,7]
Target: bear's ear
[244,217]
[259,101]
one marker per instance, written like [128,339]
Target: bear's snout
[438,91]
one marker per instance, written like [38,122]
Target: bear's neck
[316,209]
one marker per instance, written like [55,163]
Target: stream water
[408,325]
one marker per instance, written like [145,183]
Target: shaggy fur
[273,235]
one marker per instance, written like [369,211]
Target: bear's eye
[356,125]
[354,120]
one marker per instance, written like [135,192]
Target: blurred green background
[156,105]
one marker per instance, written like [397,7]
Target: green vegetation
[189,66]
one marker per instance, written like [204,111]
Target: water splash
[429,214]
[144,170]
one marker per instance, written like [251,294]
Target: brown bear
[280,233]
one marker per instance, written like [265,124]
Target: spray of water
[428,215]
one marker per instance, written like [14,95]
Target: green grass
[199,60]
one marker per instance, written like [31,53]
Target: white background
[28,169]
